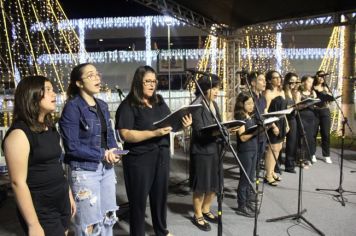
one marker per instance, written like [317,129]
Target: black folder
[267,121]
[228,124]
[175,118]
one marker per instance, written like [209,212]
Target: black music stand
[299,215]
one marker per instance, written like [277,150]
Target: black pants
[323,121]
[52,207]
[248,160]
[308,121]
[291,144]
[147,175]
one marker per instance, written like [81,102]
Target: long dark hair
[317,76]
[269,75]
[28,95]
[304,78]
[75,75]
[135,96]
[239,111]
[287,78]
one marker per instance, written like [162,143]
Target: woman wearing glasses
[290,87]
[322,114]
[146,167]
[89,145]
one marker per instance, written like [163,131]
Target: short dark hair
[239,112]
[252,76]
[135,96]
[28,95]
[75,75]
[207,82]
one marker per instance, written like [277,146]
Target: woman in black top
[322,115]
[146,167]
[247,152]
[307,116]
[204,157]
[42,193]
[290,88]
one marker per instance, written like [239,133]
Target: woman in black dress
[146,166]
[204,155]
[44,200]
[275,102]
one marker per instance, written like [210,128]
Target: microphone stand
[225,136]
[299,215]
[340,189]
[259,123]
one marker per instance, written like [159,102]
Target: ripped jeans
[95,197]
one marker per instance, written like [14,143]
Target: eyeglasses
[292,82]
[149,82]
[94,76]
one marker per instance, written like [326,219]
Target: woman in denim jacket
[89,145]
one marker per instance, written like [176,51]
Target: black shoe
[244,211]
[205,226]
[252,207]
[210,217]
[293,171]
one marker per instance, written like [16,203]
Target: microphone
[194,71]
[119,91]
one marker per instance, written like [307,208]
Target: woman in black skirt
[204,157]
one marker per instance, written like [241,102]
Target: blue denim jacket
[81,133]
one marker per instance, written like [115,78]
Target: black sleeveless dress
[45,178]
[278,104]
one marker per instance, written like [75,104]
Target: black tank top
[44,167]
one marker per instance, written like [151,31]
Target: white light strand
[213,54]
[148,26]
[82,50]
[279,51]
[192,54]
[107,23]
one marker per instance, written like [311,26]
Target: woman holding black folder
[146,166]
[307,116]
[204,154]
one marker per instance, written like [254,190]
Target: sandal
[210,217]
[272,182]
[277,178]
[197,222]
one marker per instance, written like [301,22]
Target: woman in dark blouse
[44,200]
[146,167]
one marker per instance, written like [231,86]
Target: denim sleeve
[69,124]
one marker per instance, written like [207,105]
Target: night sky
[104,8]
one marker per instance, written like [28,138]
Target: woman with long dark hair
[322,115]
[146,166]
[247,151]
[44,200]
[89,144]
[275,102]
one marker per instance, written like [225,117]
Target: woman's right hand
[35,230]
[162,131]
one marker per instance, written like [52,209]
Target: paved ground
[323,209]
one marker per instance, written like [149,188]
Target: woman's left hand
[187,120]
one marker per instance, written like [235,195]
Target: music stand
[299,215]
